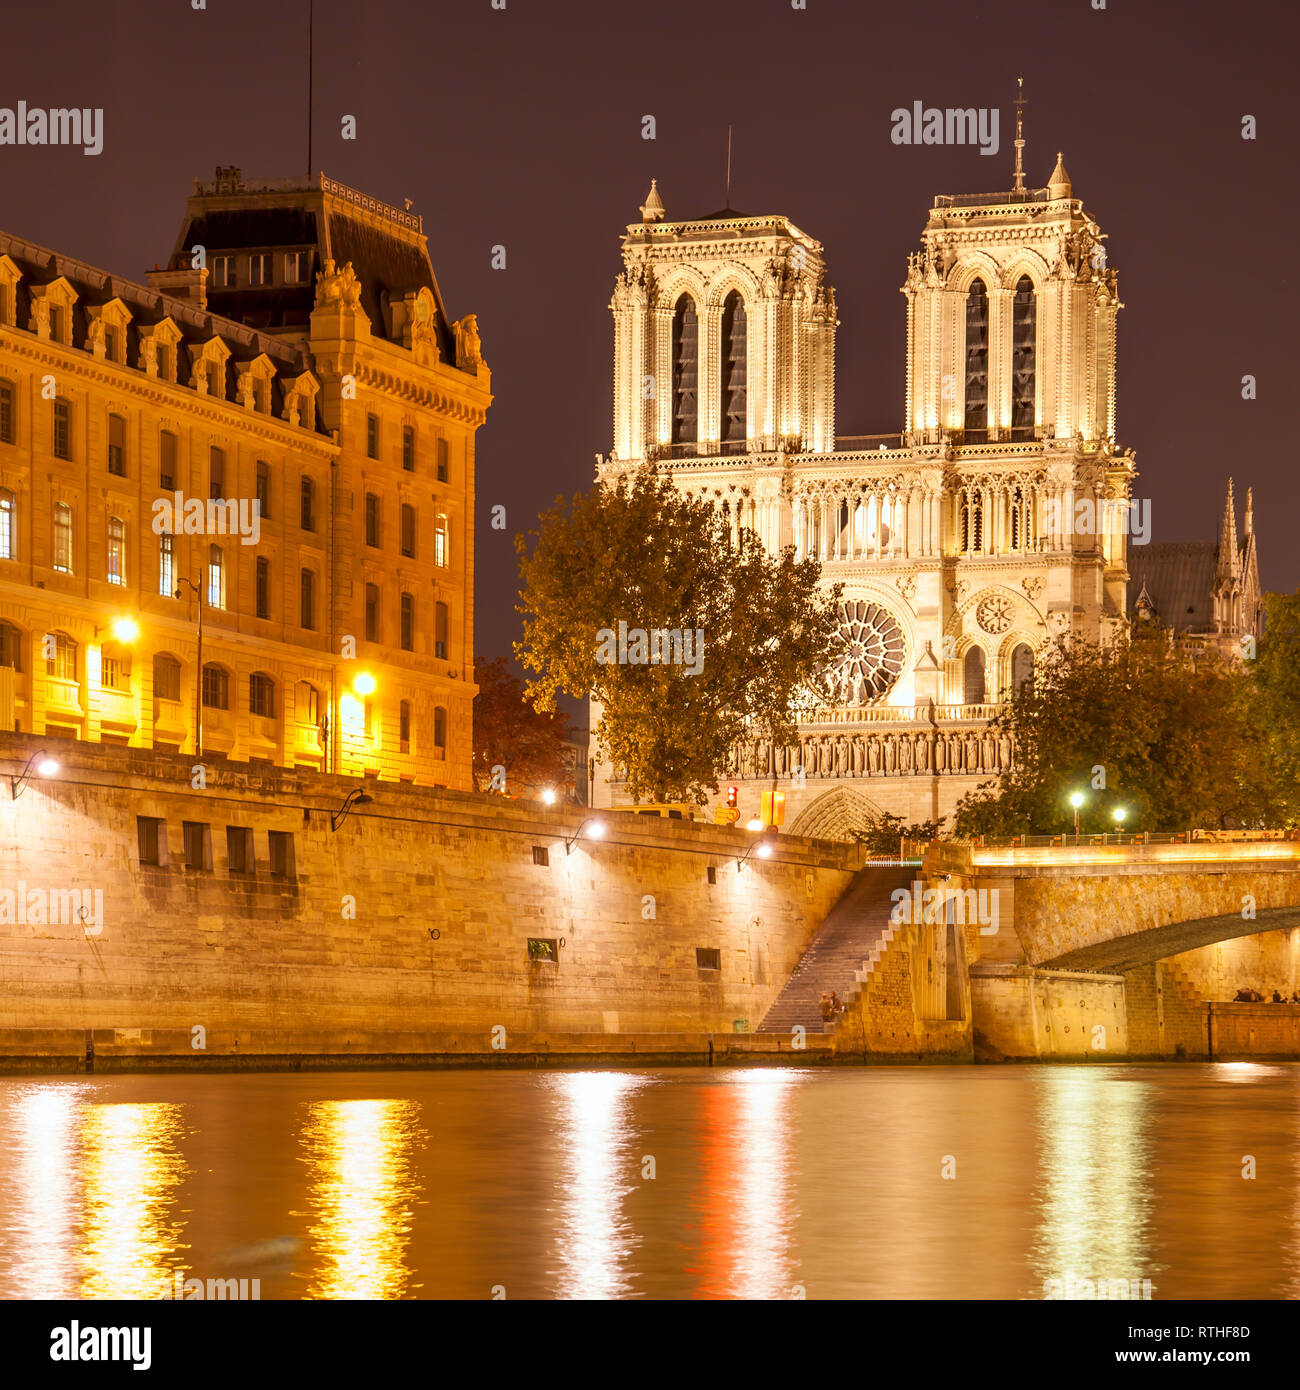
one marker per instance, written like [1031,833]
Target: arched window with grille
[735,425]
[1024,329]
[261,695]
[166,677]
[973,674]
[686,362]
[977,364]
[216,687]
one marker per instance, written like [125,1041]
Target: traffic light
[733,795]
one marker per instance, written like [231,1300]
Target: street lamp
[363,683]
[356,797]
[44,764]
[198,671]
[548,796]
[761,847]
[755,824]
[1119,815]
[597,832]
[1076,800]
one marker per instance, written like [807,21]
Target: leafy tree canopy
[509,733]
[643,554]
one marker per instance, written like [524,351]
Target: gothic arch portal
[835,815]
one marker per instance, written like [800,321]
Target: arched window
[216,577]
[11,646]
[63,537]
[973,670]
[216,687]
[439,732]
[8,525]
[1022,666]
[116,567]
[686,362]
[735,426]
[440,625]
[166,677]
[441,547]
[261,695]
[63,664]
[1024,327]
[971,520]
[977,364]
[404,726]
[1022,520]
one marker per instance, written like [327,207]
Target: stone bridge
[1113,908]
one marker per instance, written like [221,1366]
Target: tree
[1275,703]
[1141,725]
[635,594]
[882,833]
[509,733]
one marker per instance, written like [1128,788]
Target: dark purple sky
[523,127]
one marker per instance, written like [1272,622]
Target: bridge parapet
[1195,854]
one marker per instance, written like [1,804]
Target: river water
[879,1182]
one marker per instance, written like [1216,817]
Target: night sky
[523,127]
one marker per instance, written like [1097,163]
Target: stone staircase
[843,953]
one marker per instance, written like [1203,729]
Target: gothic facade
[994,520]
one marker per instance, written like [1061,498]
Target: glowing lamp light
[363,683]
[597,831]
[764,851]
[548,796]
[47,767]
[125,629]
[1120,814]
[1076,799]
[594,828]
[755,824]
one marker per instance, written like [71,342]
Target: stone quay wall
[405,931]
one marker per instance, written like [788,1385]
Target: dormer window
[9,278]
[158,349]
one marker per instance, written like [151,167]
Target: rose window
[994,613]
[873,658]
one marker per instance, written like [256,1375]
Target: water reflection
[363,1191]
[132,1167]
[39,1207]
[745,1201]
[1095,1186]
[594,1238]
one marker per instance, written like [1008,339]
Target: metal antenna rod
[728,203]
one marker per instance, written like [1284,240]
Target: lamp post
[597,832]
[356,797]
[198,673]
[1119,815]
[43,764]
[1076,800]
[761,847]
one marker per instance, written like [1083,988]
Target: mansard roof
[386,246]
[96,287]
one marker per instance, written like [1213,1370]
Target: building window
[198,844]
[1022,666]
[734,334]
[307,600]
[408,530]
[372,612]
[217,474]
[116,550]
[63,538]
[408,448]
[151,834]
[63,664]
[1023,331]
[686,340]
[541,855]
[543,950]
[264,489]
[708,958]
[166,566]
[217,380]
[11,647]
[307,704]
[216,687]
[308,515]
[6,412]
[977,363]
[62,429]
[440,542]
[439,732]
[223,272]
[261,695]
[295,267]
[279,844]
[440,631]
[166,677]
[216,577]
[260,271]
[408,623]
[8,525]
[372,519]
[114,669]
[263,587]
[372,436]
[973,673]
[239,849]
[167,460]
[117,445]
[404,726]
[443,466]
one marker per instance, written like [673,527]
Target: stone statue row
[961,753]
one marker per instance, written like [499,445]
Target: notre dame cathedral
[995,520]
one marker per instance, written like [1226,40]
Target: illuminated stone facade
[961,542]
[294,365]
